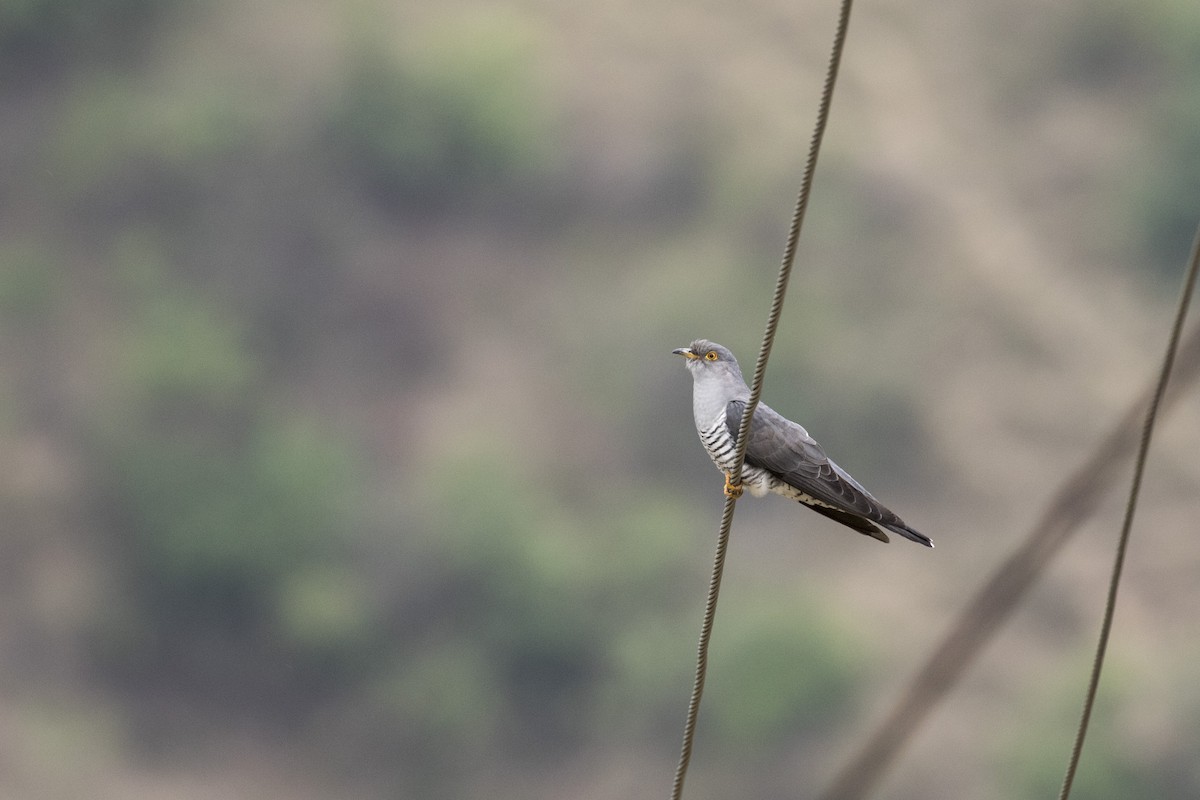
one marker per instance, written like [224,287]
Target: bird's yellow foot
[732,489]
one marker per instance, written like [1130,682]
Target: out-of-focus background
[346,456]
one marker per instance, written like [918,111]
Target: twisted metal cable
[793,240]
[760,369]
[981,619]
[995,601]
[710,613]
[1185,297]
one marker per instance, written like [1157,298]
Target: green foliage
[457,119]
[542,600]
[228,510]
[785,669]
[448,696]
[1169,201]
[200,507]
[1034,759]
[325,608]
[148,144]
[41,29]
[31,279]
[1115,45]
[1167,204]
[180,350]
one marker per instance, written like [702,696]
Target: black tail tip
[916,536]
[921,538]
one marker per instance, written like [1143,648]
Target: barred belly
[722,450]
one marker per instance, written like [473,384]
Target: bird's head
[705,358]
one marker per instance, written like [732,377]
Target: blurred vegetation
[227,512]
[40,34]
[793,670]
[1120,48]
[330,382]
[1112,765]
[454,125]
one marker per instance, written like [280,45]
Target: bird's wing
[784,448]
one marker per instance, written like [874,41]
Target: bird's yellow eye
[711,355]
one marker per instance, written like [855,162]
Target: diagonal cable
[760,369]
[1185,297]
[991,606]
[793,240]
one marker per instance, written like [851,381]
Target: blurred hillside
[348,457]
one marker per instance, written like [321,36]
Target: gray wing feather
[785,449]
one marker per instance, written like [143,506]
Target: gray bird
[780,456]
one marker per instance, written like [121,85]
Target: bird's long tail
[910,533]
[850,521]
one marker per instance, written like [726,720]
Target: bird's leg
[732,489]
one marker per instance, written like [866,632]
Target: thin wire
[710,613]
[979,621]
[1185,297]
[982,617]
[760,369]
[793,240]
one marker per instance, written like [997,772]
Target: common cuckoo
[780,455]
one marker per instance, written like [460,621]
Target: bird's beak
[685,352]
